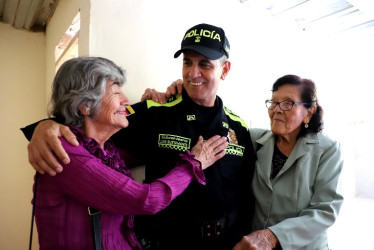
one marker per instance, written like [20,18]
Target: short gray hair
[223,59]
[82,82]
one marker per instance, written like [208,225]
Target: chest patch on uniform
[233,149]
[174,142]
[191,117]
[232,136]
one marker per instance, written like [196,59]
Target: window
[67,48]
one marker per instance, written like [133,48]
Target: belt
[212,228]
[198,230]
[205,231]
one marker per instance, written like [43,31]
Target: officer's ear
[225,69]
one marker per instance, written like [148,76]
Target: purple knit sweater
[99,178]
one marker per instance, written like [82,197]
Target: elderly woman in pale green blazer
[296,181]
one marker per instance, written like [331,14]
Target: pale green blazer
[304,199]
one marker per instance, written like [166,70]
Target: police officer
[217,215]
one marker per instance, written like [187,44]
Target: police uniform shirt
[157,133]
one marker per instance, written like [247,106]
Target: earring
[88,111]
[306,125]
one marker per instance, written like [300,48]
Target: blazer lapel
[265,150]
[301,148]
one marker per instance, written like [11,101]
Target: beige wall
[26,72]
[22,101]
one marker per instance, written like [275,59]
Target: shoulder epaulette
[172,101]
[235,117]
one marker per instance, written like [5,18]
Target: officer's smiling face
[201,77]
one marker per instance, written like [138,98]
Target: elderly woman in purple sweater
[87,93]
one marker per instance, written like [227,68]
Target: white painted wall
[142,36]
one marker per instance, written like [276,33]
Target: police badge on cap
[207,40]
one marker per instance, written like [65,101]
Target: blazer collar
[265,151]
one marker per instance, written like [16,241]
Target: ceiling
[32,15]
[330,17]
[326,17]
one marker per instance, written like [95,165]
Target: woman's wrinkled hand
[175,88]
[258,240]
[210,151]
[151,94]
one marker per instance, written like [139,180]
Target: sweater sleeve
[91,182]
